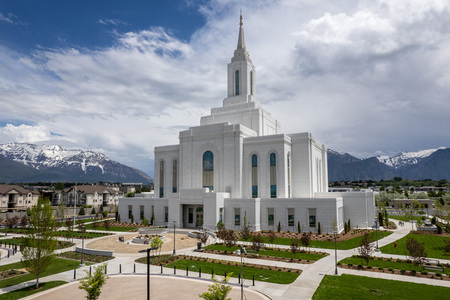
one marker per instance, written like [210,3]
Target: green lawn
[57,266]
[385,264]
[344,245]
[275,253]
[403,218]
[16,241]
[112,228]
[434,245]
[273,275]
[25,292]
[359,287]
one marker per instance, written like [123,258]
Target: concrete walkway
[302,288]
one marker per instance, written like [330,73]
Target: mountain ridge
[53,163]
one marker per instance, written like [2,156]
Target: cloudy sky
[121,77]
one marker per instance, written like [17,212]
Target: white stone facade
[237,162]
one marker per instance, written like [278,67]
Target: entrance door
[199,217]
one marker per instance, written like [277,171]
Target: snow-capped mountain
[432,164]
[53,163]
[404,158]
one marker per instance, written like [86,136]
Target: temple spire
[241,51]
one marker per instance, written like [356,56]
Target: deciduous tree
[39,244]
[92,284]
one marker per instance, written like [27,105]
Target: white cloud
[363,77]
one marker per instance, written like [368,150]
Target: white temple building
[238,163]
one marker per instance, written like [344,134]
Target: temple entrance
[192,216]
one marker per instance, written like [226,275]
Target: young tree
[306,239]
[257,242]
[272,236]
[365,249]
[295,246]
[157,242]
[39,244]
[92,284]
[218,291]
[229,237]
[24,221]
[416,250]
[203,236]
[106,224]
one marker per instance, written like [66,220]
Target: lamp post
[376,228]
[174,225]
[242,273]
[335,253]
[148,269]
[83,230]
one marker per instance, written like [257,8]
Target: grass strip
[58,265]
[361,288]
[25,292]
[434,245]
[220,267]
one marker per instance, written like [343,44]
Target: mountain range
[21,162]
[427,164]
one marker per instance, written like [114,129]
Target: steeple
[241,52]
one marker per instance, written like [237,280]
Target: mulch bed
[265,257]
[11,273]
[417,273]
[321,237]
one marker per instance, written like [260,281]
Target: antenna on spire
[240,23]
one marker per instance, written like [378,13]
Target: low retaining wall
[94,252]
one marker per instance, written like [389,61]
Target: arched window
[208,170]
[161,179]
[254,176]
[289,174]
[273,175]
[251,83]
[174,176]
[236,82]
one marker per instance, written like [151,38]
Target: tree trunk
[37,282]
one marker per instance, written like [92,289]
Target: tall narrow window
[312,217]
[237,217]
[291,216]
[161,179]
[273,175]
[174,176]
[208,170]
[236,82]
[270,216]
[254,176]
[289,174]
[166,214]
[251,83]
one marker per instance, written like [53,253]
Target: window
[236,82]
[221,214]
[254,176]
[174,176]
[161,179]
[312,217]
[270,216]
[291,217]
[237,216]
[166,214]
[251,83]
[208,170]
[273,175]
[141,212]
[191,215]
[130,211]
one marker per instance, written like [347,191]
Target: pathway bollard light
[148,269]
[335,253]
[376,227]
[174,225]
